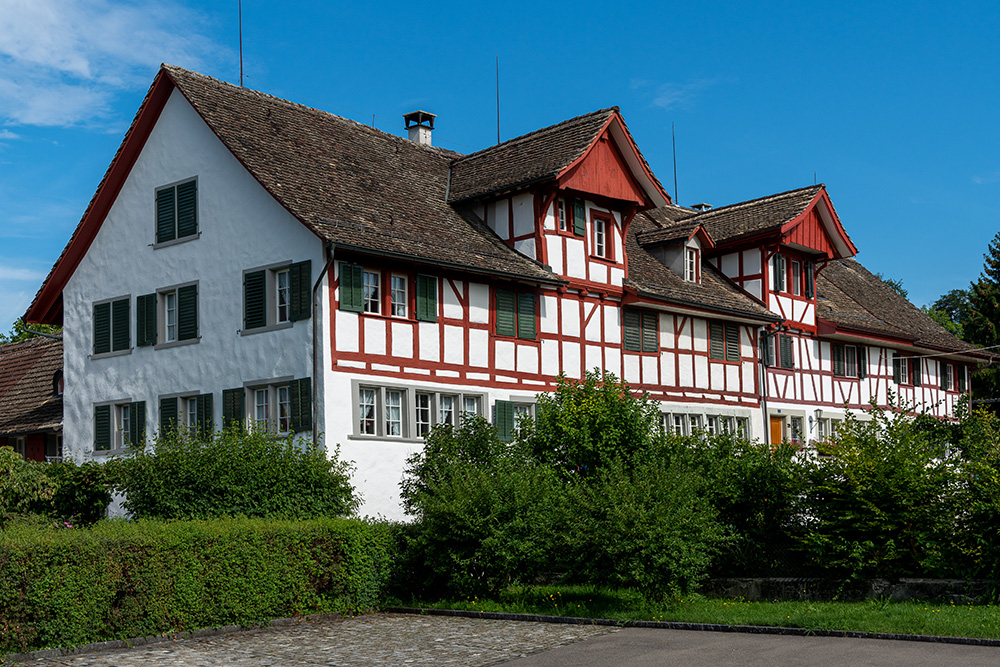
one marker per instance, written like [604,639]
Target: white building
[248,259]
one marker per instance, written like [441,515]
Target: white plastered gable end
[240,227]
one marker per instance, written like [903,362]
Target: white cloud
[993,177]
[673,95]
[12,273]
[63,61]
[7,135]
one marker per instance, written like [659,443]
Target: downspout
[328,250]
[762,360]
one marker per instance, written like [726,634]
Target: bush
[24,487]
[83,493]
[119,580]
[232,473]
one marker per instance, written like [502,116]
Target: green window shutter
[862,362]
[716,342]
[121,324]
[526,316]
[650,333]
[810,285]
[187,312]
[503,420]
[168,415]
[145,320]
[838,359]
[427,308]
[506,319]
[779,273]
[631,327]
[205,416]
[187,205]
[137,424]
[787,357]
[102,428]
[300,284]
[351,281]
[102,328]
[166,215]
[300,393]
[579,217]
[254,299]
[917,372]
[767,343]
[233,408]
[732,342]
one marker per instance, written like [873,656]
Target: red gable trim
[841,232]
[616,119]
[47,306]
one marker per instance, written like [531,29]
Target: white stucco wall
[241,227]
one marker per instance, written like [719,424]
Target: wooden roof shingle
[27,400]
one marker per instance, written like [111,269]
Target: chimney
[423,124]
[701,207]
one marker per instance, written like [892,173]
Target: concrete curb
[116,644]
[704,627]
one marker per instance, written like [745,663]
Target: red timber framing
[576,330]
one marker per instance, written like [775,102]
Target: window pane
[371,292]
[599,240]
[470,405]
[191,414]
[170,310]
[399,296]
[712,424]
[284,409]
[679,424]
[283,296]
[796,277]
[366,410]
[562,215]
[260,408]
[423,409]
[446,413]
[393,412]
[125,414]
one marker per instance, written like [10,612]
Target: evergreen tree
[983,326]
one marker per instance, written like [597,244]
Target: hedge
[118,580]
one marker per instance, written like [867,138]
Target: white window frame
[691,265]
[123,420]
[282,296]
[371,292]
[600,237]
[273,292]
[272,390]
[163,294]
[415,400]
[562,216]
[399,307]
[796,277]
[169,316]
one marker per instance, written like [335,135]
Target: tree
[895,284]
[951,310]
[19,331]
[983,326]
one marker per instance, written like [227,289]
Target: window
[778,273]
[193,413]
[680,424]
[810,269]
[277,295]
[945,376]
[112,326]
[695,423]
[423,410]
[19,443]
[796,277]
[779,351]
[600,237]
[360,291]
[691,265]
[119,425]
[366,405]
[562,214]
[515,314]
[796,426]
[724,341]
[398,296]
[900,369]
[711,424]
[848,360]
[961,379]
[170,316]
[386,411]
[506,414]
[641,330]
[579,217]
[167,316]
[177,211]
[282,406]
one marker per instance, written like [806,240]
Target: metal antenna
[241,41]
[673,139]
[498,98]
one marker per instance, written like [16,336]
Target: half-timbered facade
[248,260]
[31,389]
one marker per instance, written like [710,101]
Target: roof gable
[557,153]
[602,170]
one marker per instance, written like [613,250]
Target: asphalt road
[642,647]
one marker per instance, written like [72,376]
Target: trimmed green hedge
[65,587]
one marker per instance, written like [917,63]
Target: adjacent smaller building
[31,404]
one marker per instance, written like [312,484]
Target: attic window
[691,265]
[57,383]
[563,215]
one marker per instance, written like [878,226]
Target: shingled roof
[27,400]
[351,184]
[852,297]
[653,279]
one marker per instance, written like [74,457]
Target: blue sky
[894,108]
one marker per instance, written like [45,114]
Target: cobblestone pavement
[377,639]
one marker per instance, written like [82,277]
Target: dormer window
[600,237]
[691,265]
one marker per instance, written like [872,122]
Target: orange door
[777,426]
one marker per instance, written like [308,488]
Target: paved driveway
[388,640]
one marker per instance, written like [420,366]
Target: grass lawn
[918,618]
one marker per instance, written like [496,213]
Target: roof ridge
[308,109]
[539,132]
[748,202]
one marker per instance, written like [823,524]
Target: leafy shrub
[24,487]
[120,579]
[232,473]
[83,492]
